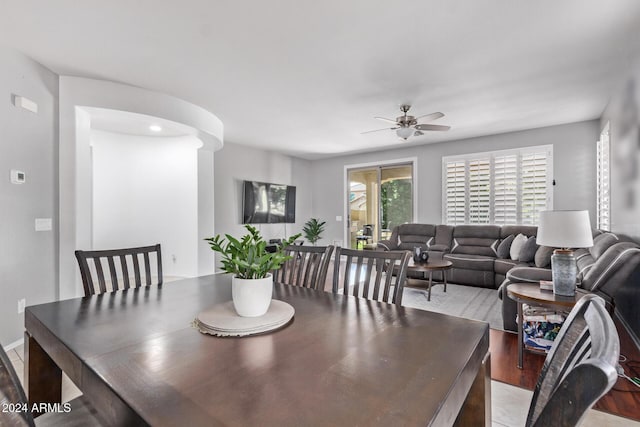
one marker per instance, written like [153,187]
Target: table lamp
[565,230]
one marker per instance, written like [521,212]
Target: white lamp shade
[565,229]
[404,133]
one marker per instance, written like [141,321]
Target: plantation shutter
[534,187]
[505,189]
[502,187]
[455,192]
[603,172]
[479,191]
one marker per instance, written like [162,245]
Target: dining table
[341,361]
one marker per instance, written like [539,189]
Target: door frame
[380,163]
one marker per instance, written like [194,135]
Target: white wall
[145,191]
[574,170]
[28,259]
[623,112]
[236,163]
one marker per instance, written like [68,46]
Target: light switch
[43,224]
[338,218]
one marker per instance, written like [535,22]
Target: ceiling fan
[406,126]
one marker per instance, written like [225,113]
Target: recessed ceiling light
[155,128]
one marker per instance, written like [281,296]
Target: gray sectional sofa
[479,259]
[604,269]
[473,249]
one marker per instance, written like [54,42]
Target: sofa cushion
[408,242]
[471,262]
[417,229]
[476,240]
[614,262]
[528,251]
[584,261]
[444,235]
[542,258]
[528,274]
[601,243]
[505,246]
[516,246]
[415,235]
[527,230]
[502,266]
[439,248]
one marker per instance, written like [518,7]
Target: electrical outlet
[21,305]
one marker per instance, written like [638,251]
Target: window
[603,193]
[500,187]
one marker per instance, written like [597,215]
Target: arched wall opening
[83,101]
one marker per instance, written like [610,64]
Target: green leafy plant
[313,230]
[247,257]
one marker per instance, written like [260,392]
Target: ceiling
[307,77]
[136,124]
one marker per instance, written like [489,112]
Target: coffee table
[531,294]
[430,267]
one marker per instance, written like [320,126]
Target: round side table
[531,294]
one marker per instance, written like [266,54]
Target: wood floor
[622,400]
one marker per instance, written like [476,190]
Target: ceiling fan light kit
[404,133]
[406,126]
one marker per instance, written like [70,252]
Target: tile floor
[509,404]
[69,390]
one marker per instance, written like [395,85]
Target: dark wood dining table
[343,361]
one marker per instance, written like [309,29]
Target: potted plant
[313,230]
[251,265]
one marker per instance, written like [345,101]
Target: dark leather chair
[579,369]
[367,274]
[126,258]
[307,266]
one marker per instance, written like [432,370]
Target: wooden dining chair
[13,401]
[368,274]
[307,266]
[119,262]
[579,369]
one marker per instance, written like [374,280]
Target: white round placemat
[222,320]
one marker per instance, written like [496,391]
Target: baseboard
[634,337]
[14,344]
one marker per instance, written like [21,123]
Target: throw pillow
[505,246]
[516,246]
[528,250]
[543,256]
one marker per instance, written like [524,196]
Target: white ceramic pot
[252,297]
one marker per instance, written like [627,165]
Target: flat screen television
[265,203]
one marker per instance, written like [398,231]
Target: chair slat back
[93,271]
[579,369]
[307,266]
[11,392]
[368,274]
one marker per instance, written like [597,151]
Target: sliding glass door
[379,198]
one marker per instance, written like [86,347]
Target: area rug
[462,301]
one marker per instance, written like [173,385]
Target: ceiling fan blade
[386,120]
[430,117]
[377,130]
[433,127]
